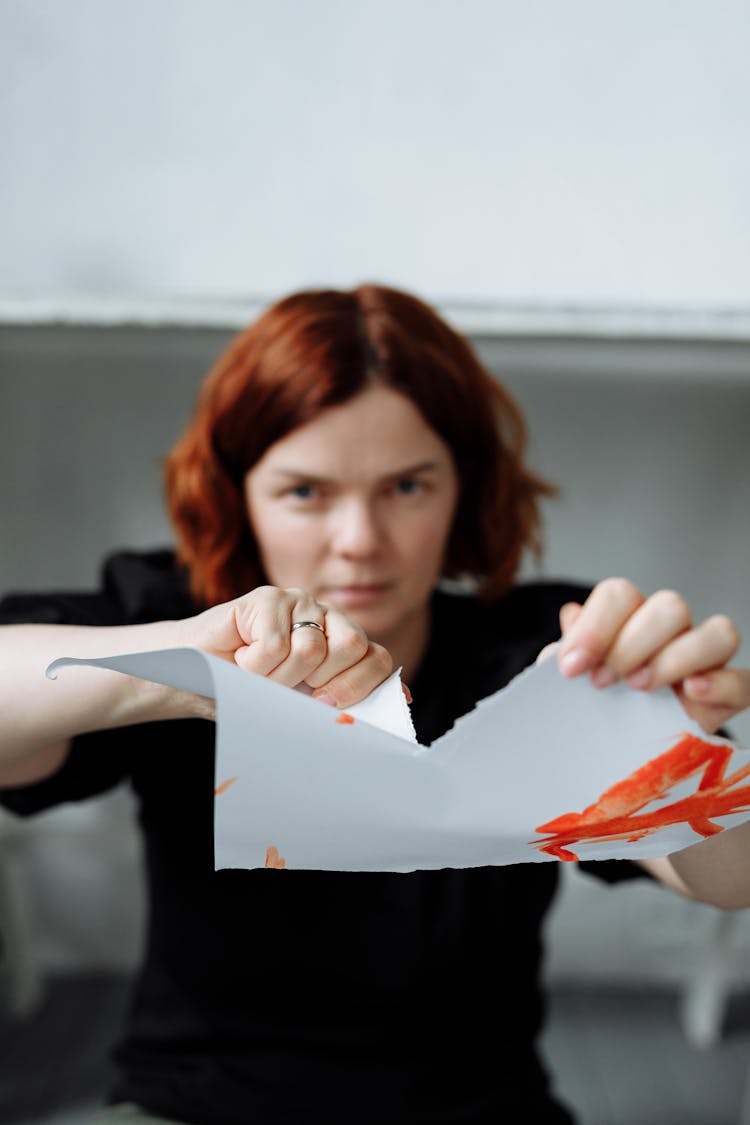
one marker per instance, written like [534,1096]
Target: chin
[376,621]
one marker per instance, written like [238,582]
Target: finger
[263,622]
[308,648]
[722,687]
[714,697]
[708,646]
[605,611]
[662,617]
[308,642]
[358,680]
[271,648]
[569,614]
[347,644]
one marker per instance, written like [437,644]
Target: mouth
[356,594]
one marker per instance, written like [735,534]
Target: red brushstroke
[222,788]
[616,816]
[344,718]
[273,859]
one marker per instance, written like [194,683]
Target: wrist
[163,701]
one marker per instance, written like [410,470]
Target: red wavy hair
[317,349]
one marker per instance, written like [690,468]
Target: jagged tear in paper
[546,768]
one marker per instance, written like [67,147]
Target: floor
[619,1057]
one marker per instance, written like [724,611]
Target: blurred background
[569,185]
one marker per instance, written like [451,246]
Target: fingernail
[407,693]
[575,662]
[603,677]
[641,679]
[324,697]
[697,685]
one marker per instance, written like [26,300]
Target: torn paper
[545,769]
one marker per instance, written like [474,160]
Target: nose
[357,533]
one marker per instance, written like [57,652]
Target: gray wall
[648,441]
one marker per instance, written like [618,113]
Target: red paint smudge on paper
[344,718]
[273,859]
[222,788]
[616,815]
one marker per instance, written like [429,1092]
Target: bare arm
[39,717]
[715,871]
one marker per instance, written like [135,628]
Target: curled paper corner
[185,668]
[51,670]
[386,708]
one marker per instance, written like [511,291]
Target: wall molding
[487,320]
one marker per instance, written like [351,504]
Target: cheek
[288,553]
[426,540]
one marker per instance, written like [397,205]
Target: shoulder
[136,586]
[149,585]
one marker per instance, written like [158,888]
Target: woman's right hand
[255,632]
[339,663]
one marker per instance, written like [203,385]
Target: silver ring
[306,624]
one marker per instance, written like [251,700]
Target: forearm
[39,717]
[715,871]
[37,713]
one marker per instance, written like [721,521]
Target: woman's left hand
[619,634]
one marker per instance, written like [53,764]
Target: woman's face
[356,507]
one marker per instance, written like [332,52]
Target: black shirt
[337,997]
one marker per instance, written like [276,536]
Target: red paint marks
[222,788]
[273,859]
[560,853]
[616,815]
[344,718]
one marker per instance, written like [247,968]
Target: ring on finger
[307,625]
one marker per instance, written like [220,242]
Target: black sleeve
[97,761]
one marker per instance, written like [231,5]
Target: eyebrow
[408,470]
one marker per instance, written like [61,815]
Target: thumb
[569,614]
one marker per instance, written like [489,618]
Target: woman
[347,451]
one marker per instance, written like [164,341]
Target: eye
[302,492]
[408,486]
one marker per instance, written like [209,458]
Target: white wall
[475,149]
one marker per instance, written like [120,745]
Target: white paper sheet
[546,768]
